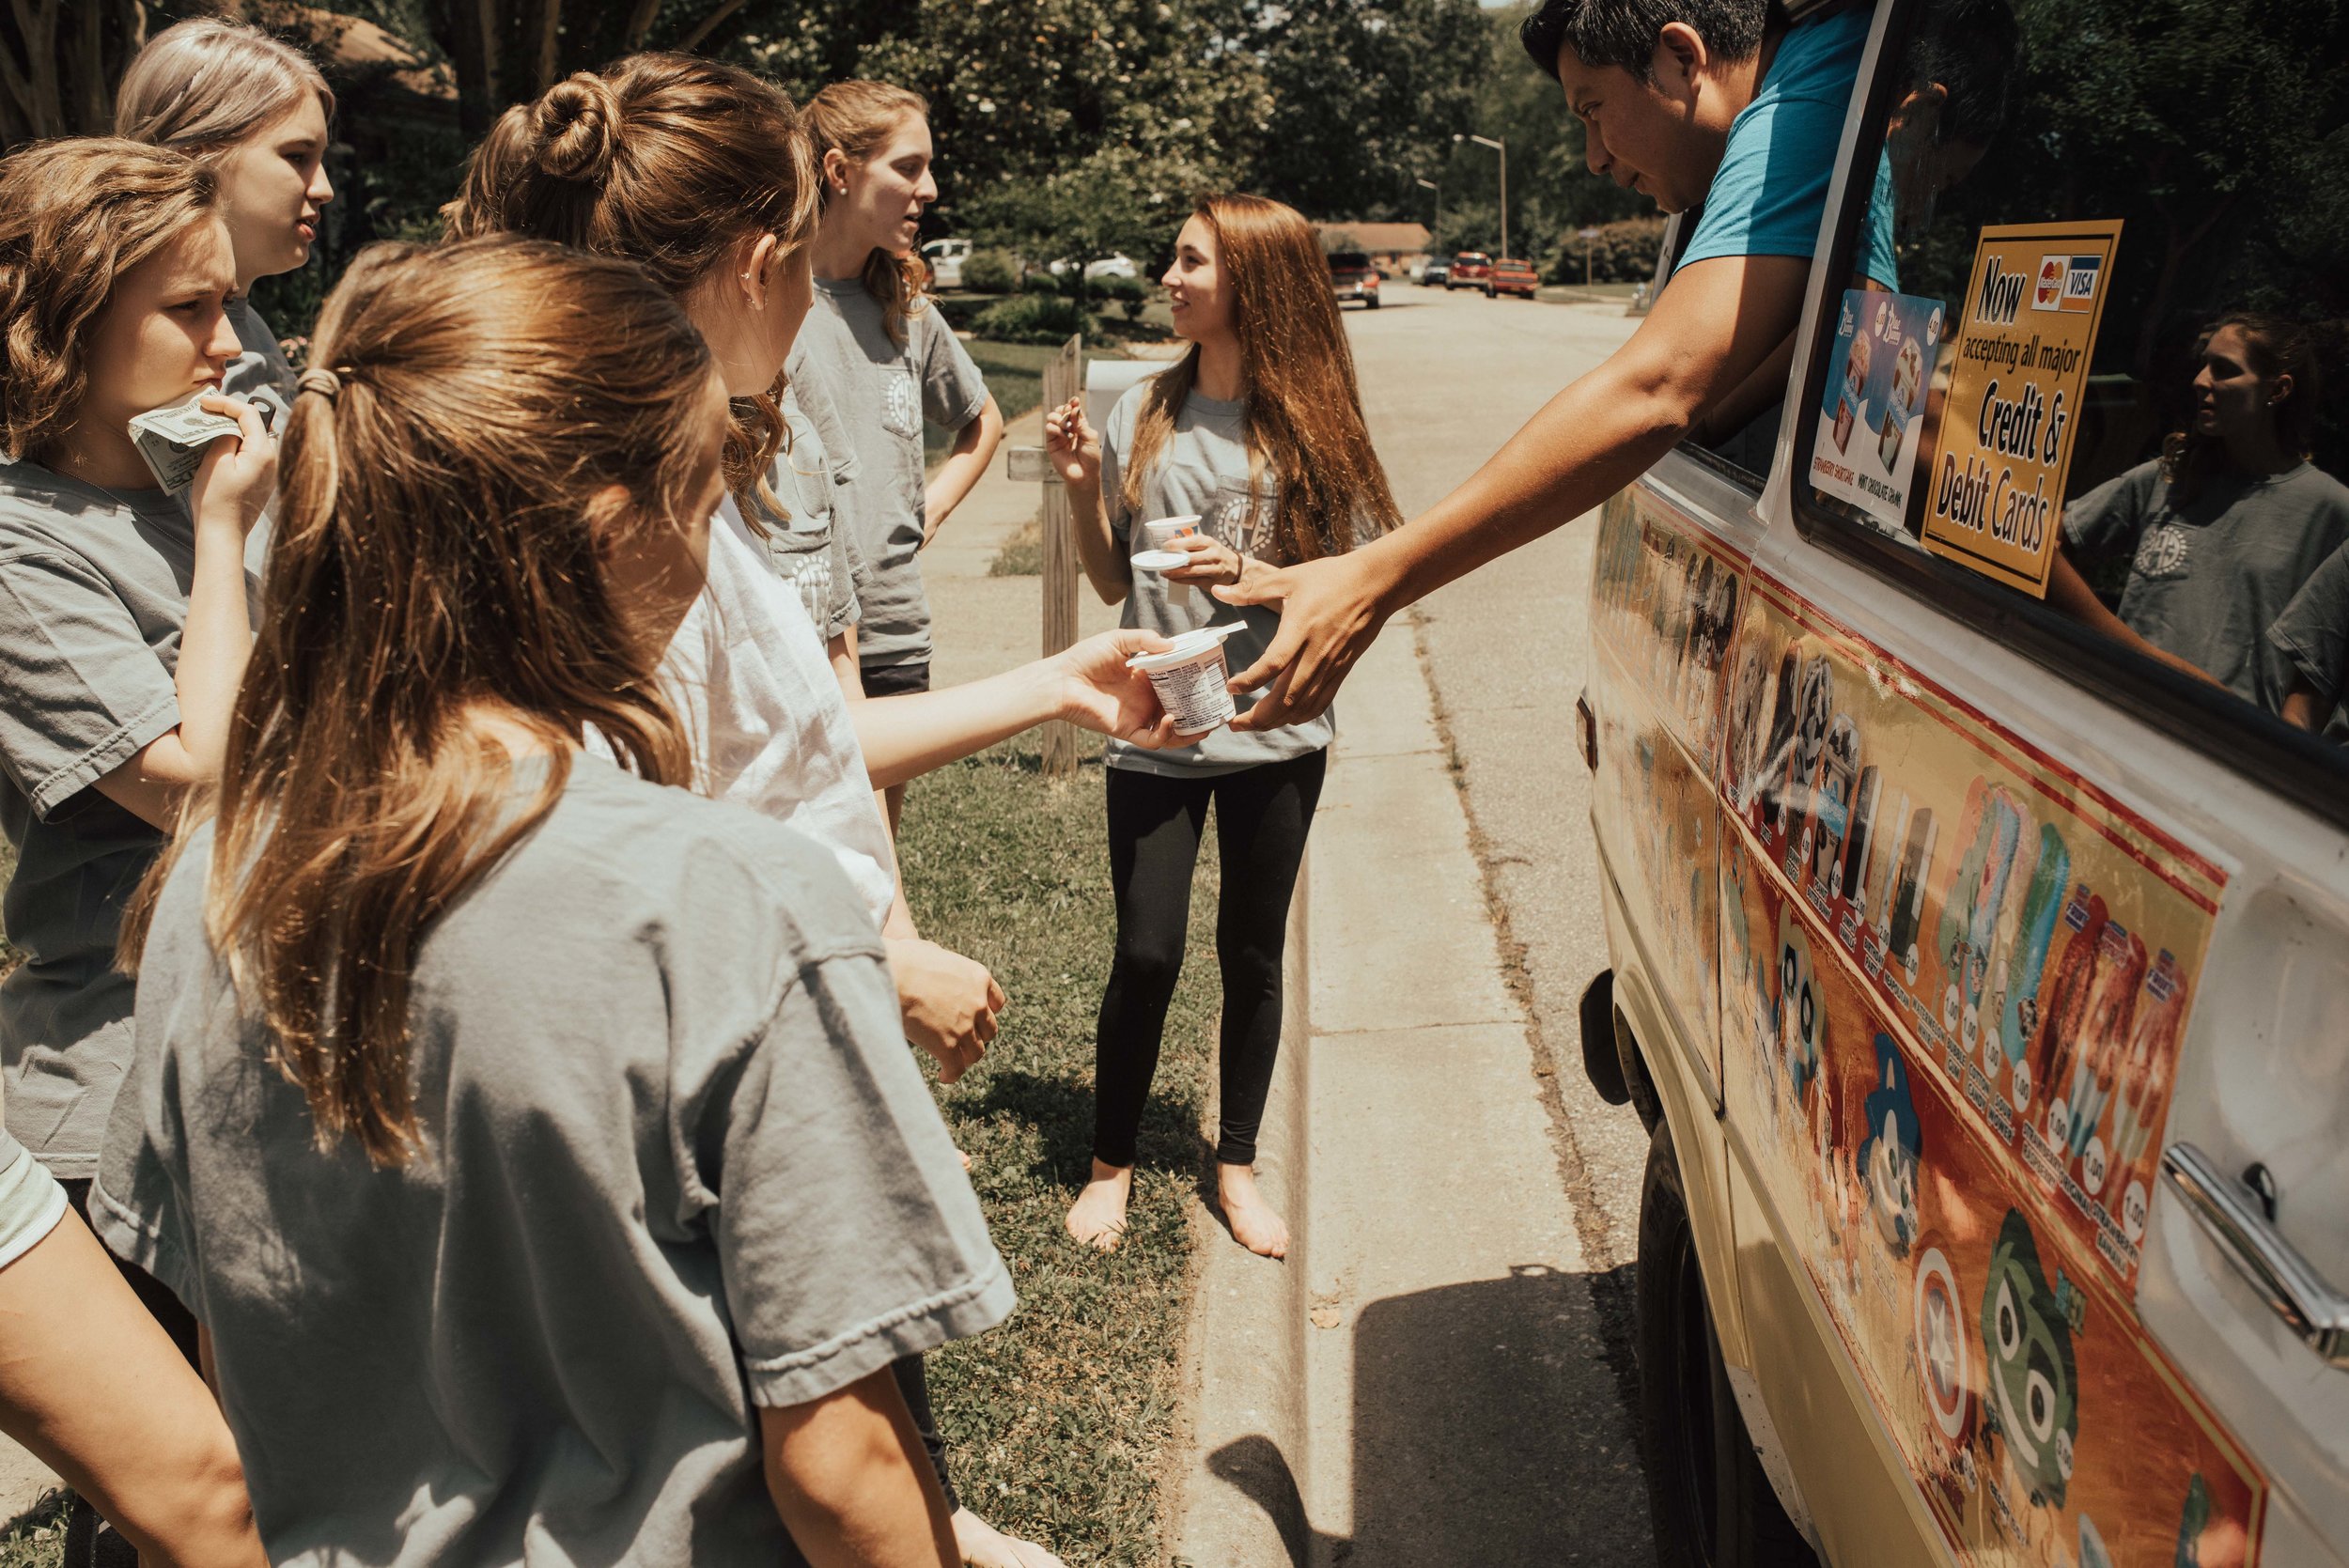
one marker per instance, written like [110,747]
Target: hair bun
[578,122]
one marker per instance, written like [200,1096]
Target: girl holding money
[256,110]
[745,670]
[1257,434]
[123,634]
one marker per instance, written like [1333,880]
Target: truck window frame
[2266,753]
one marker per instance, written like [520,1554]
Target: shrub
[1622,252]
[1040,283]
[989,272]
[1030,319]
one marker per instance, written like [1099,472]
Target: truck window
[2093,418]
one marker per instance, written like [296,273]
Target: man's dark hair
[1624,32]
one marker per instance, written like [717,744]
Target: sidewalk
[1397,1394]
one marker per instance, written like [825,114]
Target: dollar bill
[174,440]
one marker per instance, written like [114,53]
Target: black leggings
[1262,815]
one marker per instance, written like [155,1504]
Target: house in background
[1393,247]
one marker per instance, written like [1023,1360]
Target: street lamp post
[1502,149]
[1435,234]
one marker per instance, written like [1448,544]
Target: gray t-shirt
[2313,633]
[804,543]
[262,375]
[679,1163]
[93,595]
[2207,579]
[1202,469]
[878,392]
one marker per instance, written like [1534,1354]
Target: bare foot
[983,1545]
[1098,1218]
[1256,1224]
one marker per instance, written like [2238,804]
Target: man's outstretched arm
[1708,331]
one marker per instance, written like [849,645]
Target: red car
[1470,269]
[1511,277]
[1354,278]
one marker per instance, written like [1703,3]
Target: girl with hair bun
[256,110]
[122,637]
[883,361]
[557,1122]
[634,161]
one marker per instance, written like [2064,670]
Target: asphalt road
[1446,379]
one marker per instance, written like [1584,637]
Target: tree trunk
[473,52]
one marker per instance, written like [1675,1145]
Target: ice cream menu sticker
[1877,374]
[2032,305]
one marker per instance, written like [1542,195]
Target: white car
[1114,266]
[1982,983]
[946,257]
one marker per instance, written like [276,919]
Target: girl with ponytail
[884,360]
[556,1121]
[702,175]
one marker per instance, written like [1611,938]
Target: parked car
[1470,269]
[1114,266]
[1982,983]
[945,258]
[1509,276]
[1354,278]
[1437,270]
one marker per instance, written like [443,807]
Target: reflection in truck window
[2223,529]
[2201,130]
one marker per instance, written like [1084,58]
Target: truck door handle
[2287,1281]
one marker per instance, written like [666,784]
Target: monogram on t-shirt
[2161,554]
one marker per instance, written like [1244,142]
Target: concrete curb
[1240,1499]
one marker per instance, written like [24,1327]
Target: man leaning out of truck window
[1686,102]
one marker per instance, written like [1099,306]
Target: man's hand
[1102,695]
[1330,613]
[949,1003]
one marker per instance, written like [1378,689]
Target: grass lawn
[1059,1420]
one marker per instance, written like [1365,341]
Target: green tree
[1365,95]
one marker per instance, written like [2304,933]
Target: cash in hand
[172,440]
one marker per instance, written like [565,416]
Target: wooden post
[1063,379]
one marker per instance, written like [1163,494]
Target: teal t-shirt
[1770,191]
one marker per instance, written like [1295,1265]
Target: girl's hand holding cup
[237,476]
[1100,693]
[1072,445]
[1212,560]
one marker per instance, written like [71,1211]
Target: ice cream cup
[1191,679]
[1161,561]
[1162,532]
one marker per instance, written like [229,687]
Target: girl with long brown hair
[884,359]
[1256,435]
[701,173]
[557,1121]
[255,109]
[123,636]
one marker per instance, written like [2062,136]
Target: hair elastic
[324,383]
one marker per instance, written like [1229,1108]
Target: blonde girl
[554,1120]
[877,354]
[122,637]
[257,111]
[1256,433]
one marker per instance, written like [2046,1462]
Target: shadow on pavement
[1491,1425]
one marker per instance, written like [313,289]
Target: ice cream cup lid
[1188,646]
[1161,560]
